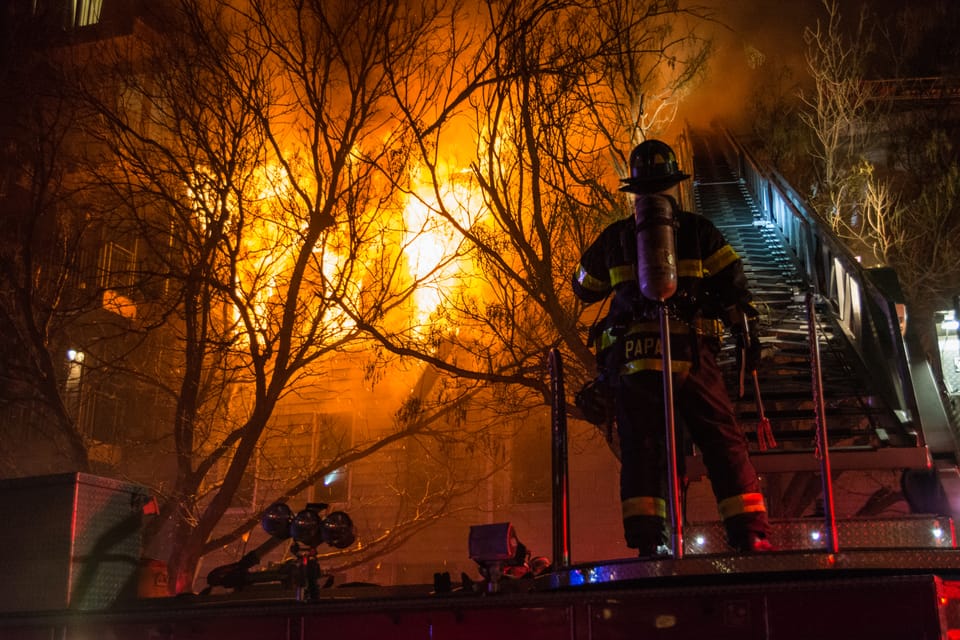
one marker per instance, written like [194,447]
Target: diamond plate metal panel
[68,541]
[810,534]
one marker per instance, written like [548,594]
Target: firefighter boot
[646,534]
[752,543]
[747,533]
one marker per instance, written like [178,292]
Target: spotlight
[306,528]
[276,520]
[309,527]
[338,530]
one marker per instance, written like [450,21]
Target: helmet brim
[652,185]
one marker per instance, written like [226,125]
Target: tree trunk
[183,560]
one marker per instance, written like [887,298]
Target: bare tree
[279,174]
[837,107]
[550,108]
[237,160]
[843,115]
[899,211]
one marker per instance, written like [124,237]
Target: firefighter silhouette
[709,294]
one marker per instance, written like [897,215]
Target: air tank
[656,247]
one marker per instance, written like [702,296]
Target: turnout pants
[703,406]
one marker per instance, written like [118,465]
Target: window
[117,266]
[70,14]
[294,445]
[86,12]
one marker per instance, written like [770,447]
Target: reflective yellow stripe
[655,364]
[623,273]
[692,268]
[644,506]
[743,503]
[589,282]
[685,269]
[720,259]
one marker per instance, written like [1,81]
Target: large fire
[435,214]
[435,218]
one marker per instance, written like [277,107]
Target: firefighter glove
[596,402]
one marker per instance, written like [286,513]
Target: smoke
[753,40]
[757,40]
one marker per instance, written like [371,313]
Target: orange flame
[434,218]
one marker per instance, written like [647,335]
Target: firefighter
[710,293]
